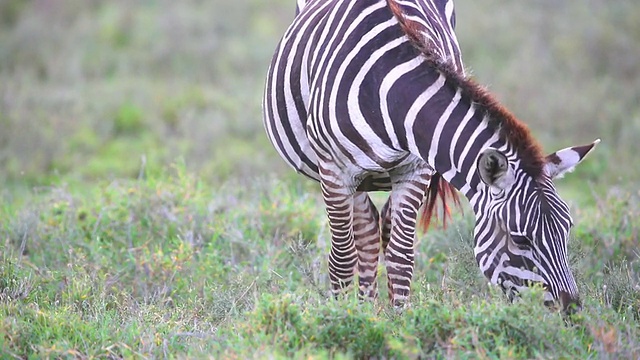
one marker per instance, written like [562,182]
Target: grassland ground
[172,267]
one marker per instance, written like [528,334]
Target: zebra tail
[438,189]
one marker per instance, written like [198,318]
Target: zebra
[372,95]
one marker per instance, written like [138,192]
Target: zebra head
[522,226]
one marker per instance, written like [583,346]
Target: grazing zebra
[371,95]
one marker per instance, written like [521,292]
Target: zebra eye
[520,240]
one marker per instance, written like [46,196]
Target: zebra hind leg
[343,256]
[366,232]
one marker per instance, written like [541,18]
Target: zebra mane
[513,130]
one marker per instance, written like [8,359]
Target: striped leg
[406,198]
[367,241]
[339,205]
[385,235]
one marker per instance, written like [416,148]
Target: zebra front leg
[367,241]
[405,201]
[339,206]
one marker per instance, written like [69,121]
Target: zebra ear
[565,160]
[494,169]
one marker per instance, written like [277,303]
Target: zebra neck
[449,132]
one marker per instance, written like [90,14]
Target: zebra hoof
[400,305]
[367,295]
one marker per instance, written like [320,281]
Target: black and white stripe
[370,95]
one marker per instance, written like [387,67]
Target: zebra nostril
[570,305]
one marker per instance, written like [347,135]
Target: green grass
[169,267]
[144,214]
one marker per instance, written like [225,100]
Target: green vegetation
[170,266]
[144,214]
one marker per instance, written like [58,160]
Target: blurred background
[94,90]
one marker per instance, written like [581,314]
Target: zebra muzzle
[570,304]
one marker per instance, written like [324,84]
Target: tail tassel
[438,189]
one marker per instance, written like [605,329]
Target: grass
[144,214]
[172,267]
